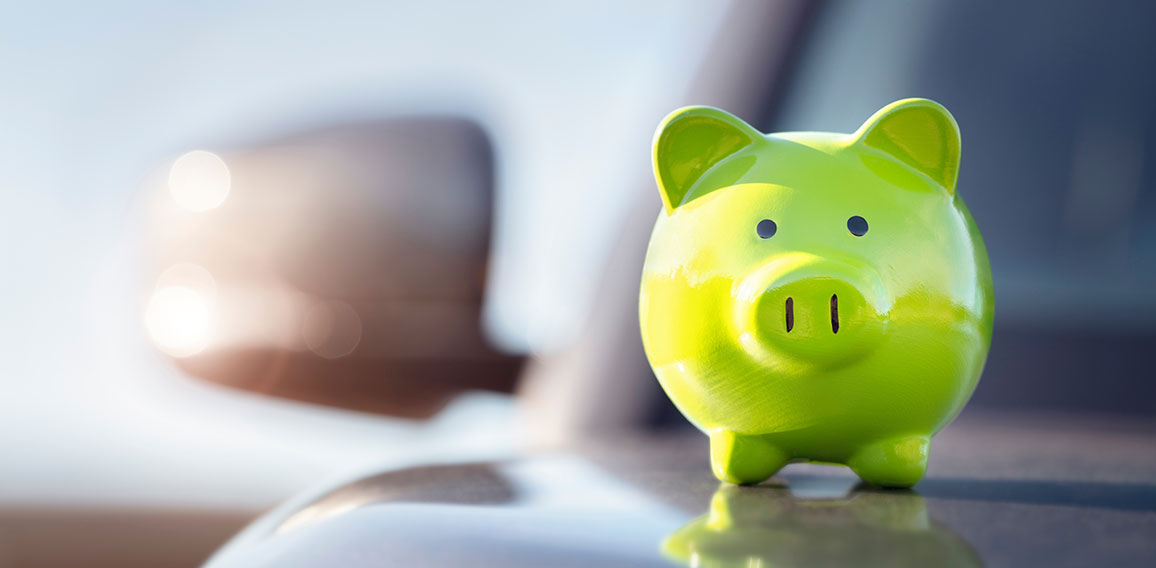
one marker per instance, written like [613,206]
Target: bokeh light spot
[331,329]
[199,181]
[177,319]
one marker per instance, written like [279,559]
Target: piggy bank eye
[857,225]
[766,228]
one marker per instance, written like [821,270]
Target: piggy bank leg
[744,460]
[896,462]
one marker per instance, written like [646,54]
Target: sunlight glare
[177,320]
[199,181]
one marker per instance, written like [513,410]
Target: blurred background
[246,247]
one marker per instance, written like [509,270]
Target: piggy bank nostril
[818,311]
[834,313]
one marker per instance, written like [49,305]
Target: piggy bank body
[815,296]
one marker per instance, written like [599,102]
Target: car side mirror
[343,265]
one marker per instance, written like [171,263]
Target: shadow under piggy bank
[768,526]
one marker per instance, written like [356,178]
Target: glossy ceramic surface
[815,296]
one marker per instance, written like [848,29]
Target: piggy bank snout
[822,311]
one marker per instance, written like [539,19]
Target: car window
[1058,127]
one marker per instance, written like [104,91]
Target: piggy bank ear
[920,133]
[689,142]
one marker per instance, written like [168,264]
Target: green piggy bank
[815,296]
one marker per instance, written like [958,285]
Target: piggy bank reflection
[767,526]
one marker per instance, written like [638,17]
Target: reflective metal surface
[1001,491]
